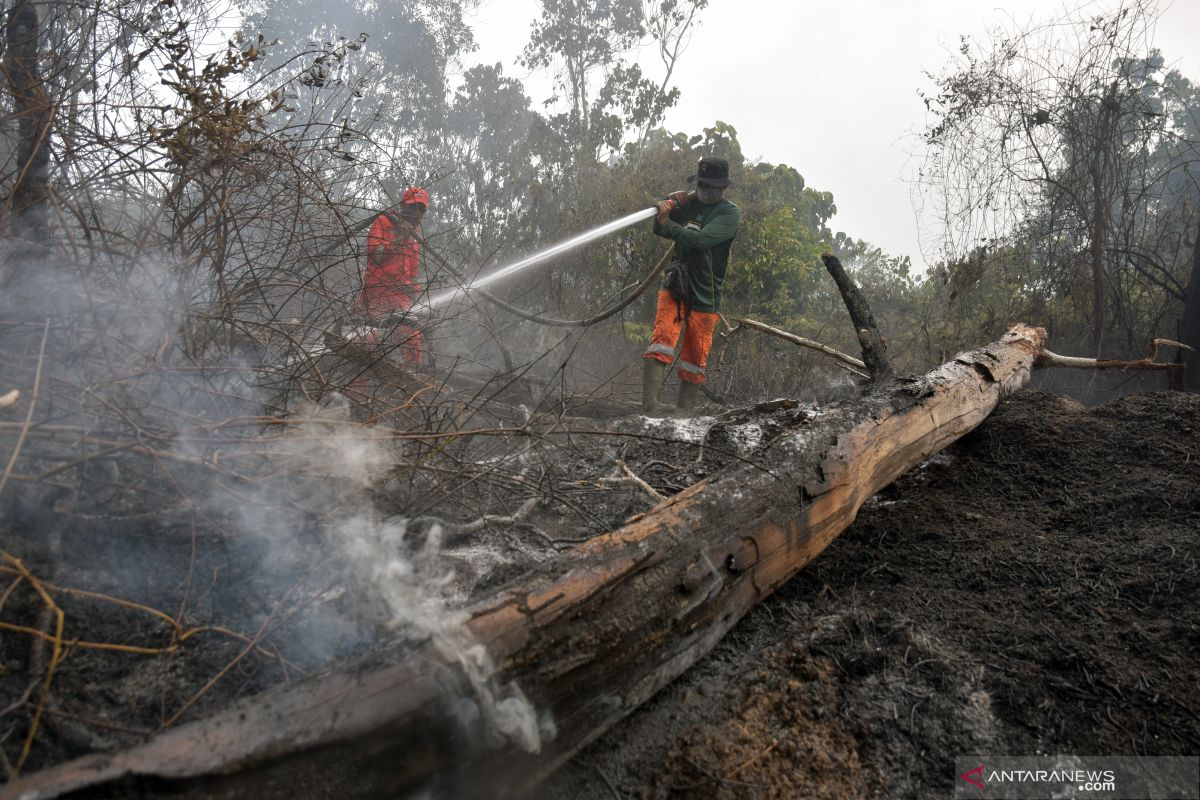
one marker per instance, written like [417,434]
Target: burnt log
[588,641]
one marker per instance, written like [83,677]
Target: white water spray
[548,253]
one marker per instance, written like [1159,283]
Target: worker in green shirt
[702,223]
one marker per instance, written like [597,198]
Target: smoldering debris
[226,498]
[204,534]
[195,547]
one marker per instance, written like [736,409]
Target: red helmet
[415,194]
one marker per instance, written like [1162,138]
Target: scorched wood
[590,640]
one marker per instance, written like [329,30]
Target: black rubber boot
[688,394]
[653,372]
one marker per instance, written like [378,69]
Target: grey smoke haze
[291,502]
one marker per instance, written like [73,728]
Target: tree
[671,25]
[778,252]
[1065,141]
[379,71]
[580,39]
[1189,332]
[407,50]
[496,182]
[28,170]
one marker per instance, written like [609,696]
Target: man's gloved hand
[664,210]
[681,198]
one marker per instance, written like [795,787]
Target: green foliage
[785,230]
[210,124]
[585,44]
[1067,153]
[636,332]
[1030,151]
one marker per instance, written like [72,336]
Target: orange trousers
[697,337]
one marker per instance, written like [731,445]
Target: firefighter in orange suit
[390,283]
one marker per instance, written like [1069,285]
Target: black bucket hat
[711,171]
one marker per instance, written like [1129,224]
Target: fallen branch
[1049,359]
[517,516]
[641,484]
[853,362]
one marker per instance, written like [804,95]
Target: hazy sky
[829,88]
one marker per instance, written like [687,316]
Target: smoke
[413,589]
[156,429]
[399,566]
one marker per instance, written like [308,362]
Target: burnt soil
[1032,589]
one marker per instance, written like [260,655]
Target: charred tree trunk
[873,348]
[28,217]
[609,625]
[1100,212]
[1189,332]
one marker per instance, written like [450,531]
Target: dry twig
[37,381]
[641,484]
[55,655]
[181,633]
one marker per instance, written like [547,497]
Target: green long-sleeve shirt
[703,235]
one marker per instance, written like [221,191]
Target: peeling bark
[613,622]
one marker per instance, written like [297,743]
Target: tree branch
[873,348]
[809,343]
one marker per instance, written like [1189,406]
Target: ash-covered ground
[1032,589]
[210,567]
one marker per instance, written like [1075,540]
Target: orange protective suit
[393,255]
[697,337]
[390,282]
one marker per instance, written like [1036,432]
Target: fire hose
[558,323]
